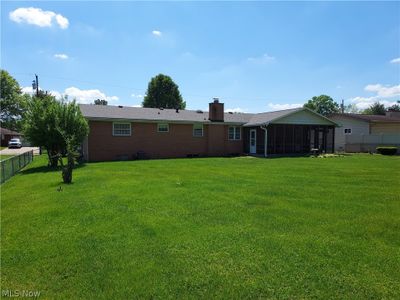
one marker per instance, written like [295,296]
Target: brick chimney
[216,111]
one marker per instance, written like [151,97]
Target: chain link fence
[10,166]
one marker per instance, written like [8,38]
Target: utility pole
[35,85]
[342,106]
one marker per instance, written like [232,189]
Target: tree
[58,126]
[163,92]
[375,109]
[100,102]
[394,107]
[40,125]
[12,102]
[323,105]
[73,128]
[352,109]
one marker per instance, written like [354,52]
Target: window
[121,129]
[198,130]
[234,133]
[162,127]
[347,131]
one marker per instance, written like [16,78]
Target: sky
[254,56]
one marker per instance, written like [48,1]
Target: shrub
[387,150]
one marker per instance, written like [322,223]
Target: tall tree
[100,102]
[323,105]
[163,92]
[12,102]
[375,109]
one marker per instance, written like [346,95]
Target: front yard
[205,228]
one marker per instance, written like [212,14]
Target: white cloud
[38,17]
[81,96]
[386,95]
[28,90]
[264,59]
[279,106]
[156,32]
[365,102]
[87,96]
[61,56]
[235,110]
[137,96]
[384,91]
[395,60]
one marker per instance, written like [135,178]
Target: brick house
[118,133]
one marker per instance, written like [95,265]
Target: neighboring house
[363,133]
[7,135]
[118,132]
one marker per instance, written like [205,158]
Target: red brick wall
[178,142]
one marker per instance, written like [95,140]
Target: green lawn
[206,228]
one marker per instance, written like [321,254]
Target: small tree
[40,125]
[100,102]
[323,105]
[375,109]
[73,128]
[351,108]
[162,91]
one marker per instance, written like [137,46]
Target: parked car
[14,143]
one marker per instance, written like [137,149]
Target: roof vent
[177,110]
[230,112]
[120,106]
[161,108]
[199,111]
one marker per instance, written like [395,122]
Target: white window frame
[347,133]
[162,124]
[118,123]
[202,129]
[235,129]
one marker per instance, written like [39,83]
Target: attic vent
[199,111]
[120,106]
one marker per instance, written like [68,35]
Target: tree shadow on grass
[47,169]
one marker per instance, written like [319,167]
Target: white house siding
[358,127]
[303,117]
[385,128]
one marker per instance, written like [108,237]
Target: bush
[387,150]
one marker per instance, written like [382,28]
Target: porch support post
[264,127]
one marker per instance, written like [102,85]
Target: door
[253,141]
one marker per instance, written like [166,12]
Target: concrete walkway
[16,151]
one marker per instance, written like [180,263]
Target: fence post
[2,172]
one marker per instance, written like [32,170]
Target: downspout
[264,127]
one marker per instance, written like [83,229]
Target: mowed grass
[230,228]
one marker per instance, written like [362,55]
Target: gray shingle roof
[370,118]
[109,112]
[92,111]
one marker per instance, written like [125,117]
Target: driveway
[17,151]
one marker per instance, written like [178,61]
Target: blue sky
[255,56]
